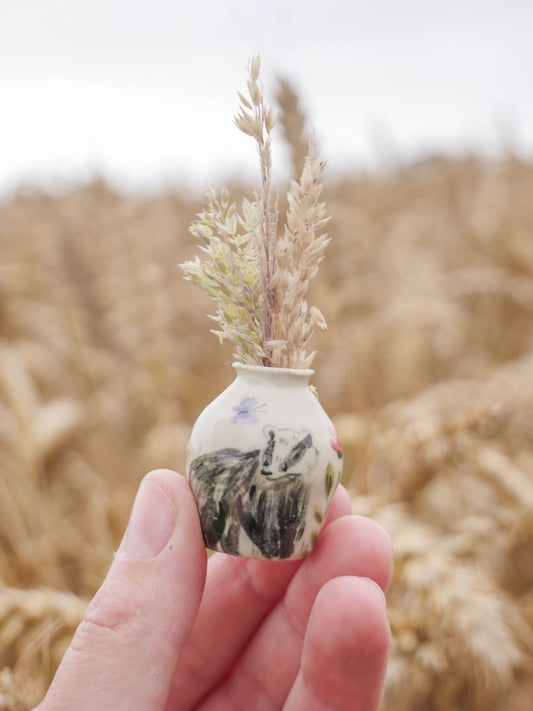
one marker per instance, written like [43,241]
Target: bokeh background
[113,118]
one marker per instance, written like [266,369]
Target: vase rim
[306,372]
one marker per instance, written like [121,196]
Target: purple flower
[247,410]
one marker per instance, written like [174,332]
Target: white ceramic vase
[263,462]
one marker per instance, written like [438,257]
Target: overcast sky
[144,91]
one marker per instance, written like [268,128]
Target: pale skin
[170,631]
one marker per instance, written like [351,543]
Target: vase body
[263,462]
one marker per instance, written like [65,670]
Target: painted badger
[262,493]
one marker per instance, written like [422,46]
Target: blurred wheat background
[426,369]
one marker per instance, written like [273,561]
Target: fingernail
[151,523]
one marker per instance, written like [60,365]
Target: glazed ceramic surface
[263,462]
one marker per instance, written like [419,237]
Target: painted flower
[335,441]
[247,410]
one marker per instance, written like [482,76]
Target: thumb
[124,653]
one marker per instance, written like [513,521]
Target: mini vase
[263,462]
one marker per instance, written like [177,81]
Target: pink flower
[334,441]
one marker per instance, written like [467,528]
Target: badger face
[286,453]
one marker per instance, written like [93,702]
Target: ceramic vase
[263,462]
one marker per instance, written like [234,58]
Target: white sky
[144,91]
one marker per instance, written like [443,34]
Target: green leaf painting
[329,479]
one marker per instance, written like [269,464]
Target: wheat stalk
[292,120]
[13,696]
[24,612]
[36,626]
[447,619]
[298,255]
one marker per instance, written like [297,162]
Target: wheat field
[426,369]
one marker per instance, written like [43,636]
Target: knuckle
[114,613]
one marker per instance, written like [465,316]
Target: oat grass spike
[258,278]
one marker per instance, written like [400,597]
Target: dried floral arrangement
[260,279]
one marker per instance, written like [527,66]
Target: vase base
[257,555]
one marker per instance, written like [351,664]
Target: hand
[160,635]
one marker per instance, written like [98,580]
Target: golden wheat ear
[292,120]
[298,255]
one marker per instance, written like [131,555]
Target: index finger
[238,595]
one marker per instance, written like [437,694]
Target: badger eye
[268,450]
[297,453]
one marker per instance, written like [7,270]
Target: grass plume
[259,279]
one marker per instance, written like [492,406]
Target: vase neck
[293,376]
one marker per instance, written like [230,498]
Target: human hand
[252,635]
